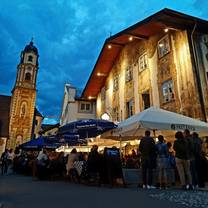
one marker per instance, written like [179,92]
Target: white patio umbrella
[158,120]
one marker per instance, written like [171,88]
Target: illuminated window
[143,62]
[129,74]
[167,91]
[129,108]
[163,46]
[115,83]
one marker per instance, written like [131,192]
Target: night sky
[69,35]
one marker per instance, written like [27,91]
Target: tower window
[30,58]
[28,76]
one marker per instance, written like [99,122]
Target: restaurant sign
[182,127]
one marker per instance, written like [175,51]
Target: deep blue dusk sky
[69,35]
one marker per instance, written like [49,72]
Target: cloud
[69,36]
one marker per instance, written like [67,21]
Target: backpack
[171,161]
[162,150]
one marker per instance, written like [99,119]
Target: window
[30,58]
[167,91]
[28,76]
[85,107]
[129,74]
[143,62]
[115,114]
[82,106]
[115,83]
[129,108]
[163,46]
[146,100]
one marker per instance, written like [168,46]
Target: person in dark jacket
[192,142]
[148,159]
[4,162]
[182,154]
[199,178]
[94,163]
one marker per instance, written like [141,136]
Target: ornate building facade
[21,121]
[161,61]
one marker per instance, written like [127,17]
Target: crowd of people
[46,164]
[188,160]
[159,163]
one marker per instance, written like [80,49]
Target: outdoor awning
[158,120]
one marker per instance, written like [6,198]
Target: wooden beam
[116,44]
[141,37]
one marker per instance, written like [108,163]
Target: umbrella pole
[154,134]
[120,143]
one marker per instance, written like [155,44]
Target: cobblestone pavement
[24,192]
[194,199]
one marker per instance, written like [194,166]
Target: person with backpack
[171,170]
[162,161]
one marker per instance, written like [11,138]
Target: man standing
[4,162]
[148,159]
[182,154]
[191,155]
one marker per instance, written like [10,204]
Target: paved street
[20,191]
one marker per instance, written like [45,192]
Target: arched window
[28,76]
[30,58]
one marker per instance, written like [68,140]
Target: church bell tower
[23,97]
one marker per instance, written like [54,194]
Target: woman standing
[72,157]
[162,161]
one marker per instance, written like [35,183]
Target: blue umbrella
[86,128]
[40,142]
[70,139]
